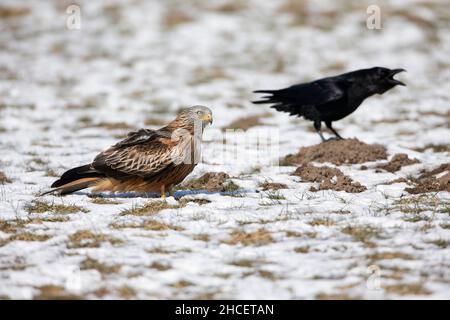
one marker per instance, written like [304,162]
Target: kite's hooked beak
[207,118]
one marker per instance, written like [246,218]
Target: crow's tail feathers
[269,98]
[75,179]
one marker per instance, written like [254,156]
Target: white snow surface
[127,65]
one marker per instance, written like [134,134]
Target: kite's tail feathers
[75,179]
[73,186]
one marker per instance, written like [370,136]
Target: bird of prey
[332,98]
[145,161]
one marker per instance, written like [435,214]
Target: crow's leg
[317,125]
[329,126]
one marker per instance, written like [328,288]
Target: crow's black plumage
[333,98]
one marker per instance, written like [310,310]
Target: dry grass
[434,148]
[88,239]
[420,203]
[296,234]
[406,289]
[100,200]
[24,236]
[272,186]
[184,201]
[275,195]
[38,206]
[256,238]
[182,284]
[126,292]
[245,263]
[7,12]
[336,296]
[212,295]
[160,266]
[441,243]
[201,237]
[101,292]
[230,6]
[154,225]
[175,17]
[268,275]
[322,222]
[13,226]
[92,264]
[150,208]
[389,256]
[362,234]
[149,224]
[304,249]
[52,292]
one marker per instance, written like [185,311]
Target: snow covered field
[65,95]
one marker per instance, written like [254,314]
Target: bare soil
[328,178]
[397,162]
[350,151]
[433,181]
[210,181]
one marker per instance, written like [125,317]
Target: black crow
[333,98]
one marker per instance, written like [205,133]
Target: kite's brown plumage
[145,161]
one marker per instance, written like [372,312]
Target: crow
[332,98]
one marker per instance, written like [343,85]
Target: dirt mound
[350,151]
[433,181]
[212,182]
[397,162]
[328,178]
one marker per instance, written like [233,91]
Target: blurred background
[136,60]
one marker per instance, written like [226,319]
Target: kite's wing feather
[143,153]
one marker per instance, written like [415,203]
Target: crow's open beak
[395,81]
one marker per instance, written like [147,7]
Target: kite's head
[196,115]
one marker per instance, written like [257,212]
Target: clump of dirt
[349,151]
[212,182]
[328,178]
[433,181]
[397,162]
